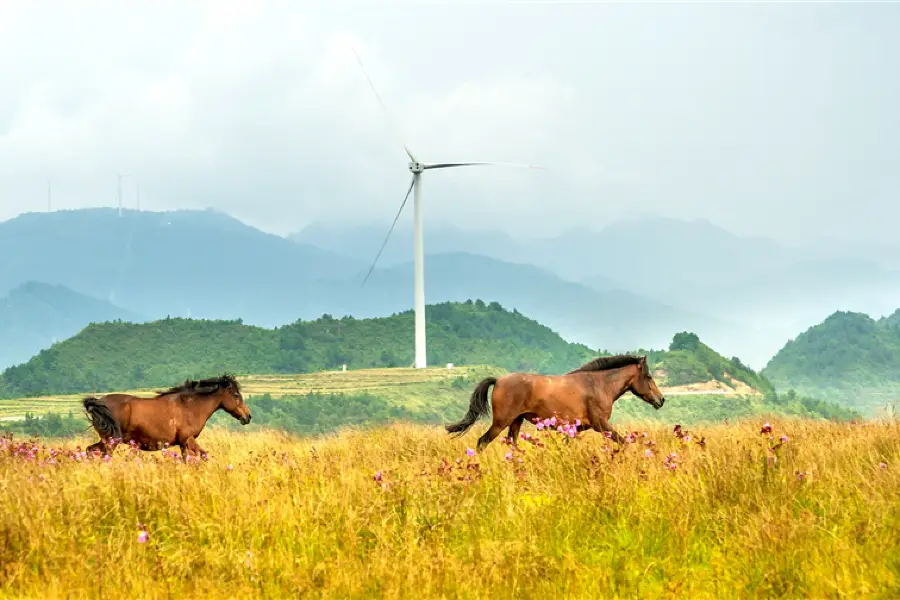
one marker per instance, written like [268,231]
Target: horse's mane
[203,387]
[605,363]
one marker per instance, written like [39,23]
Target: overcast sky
[774,119]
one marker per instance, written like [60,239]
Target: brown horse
[586,394]
[174,417]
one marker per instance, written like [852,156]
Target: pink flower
[648,453]
[470,452]
[229,467]
[784,439]
[883,465]
[142,537]
[508,456]
[766,428]
[378,476]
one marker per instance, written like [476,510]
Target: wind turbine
[417,169]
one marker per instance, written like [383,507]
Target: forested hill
[849,358]
[120,355]
[689,360]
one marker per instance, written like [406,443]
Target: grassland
[403,511]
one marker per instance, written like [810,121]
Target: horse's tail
[102,418]
[479,405]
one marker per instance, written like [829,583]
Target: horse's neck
[204,406]
[620,380]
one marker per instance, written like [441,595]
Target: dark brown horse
[174,417]
[585,394]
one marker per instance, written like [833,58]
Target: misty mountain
[767,289]
[185,262]
[616,253]
[208,265]
[33,316]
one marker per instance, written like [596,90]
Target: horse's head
[231,400]
[645,388]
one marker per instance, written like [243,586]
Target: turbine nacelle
[416,167]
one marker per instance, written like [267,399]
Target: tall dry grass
[404,512]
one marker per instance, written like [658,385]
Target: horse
[174,417]
[585,394]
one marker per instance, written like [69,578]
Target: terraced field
[407,386]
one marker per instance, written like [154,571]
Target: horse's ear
[643,360]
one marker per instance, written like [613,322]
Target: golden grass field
[273,516]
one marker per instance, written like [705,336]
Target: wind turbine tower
[417,169]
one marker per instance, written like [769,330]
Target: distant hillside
[35,315]
[182,263]
[124,356]
[849,358]
[689,360]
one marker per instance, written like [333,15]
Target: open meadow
[808,509]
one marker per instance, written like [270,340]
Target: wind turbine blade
[474,164]
[383,106]
[384,243]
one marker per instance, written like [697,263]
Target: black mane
[204,387]
[605,363]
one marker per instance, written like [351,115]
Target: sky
[777,119]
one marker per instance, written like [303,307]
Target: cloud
[261,110]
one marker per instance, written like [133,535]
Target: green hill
[125,355]
[689,360]
[849,358]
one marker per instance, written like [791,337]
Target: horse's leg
[99,447]
[605,426]
[489,435]
[600,422]
[514,430]
[191,445]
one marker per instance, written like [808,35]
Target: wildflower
[229,467]
[648,453]
[143,536]
[801,475]
[883,465]
[470,452]
[539,425]
[784,439]
[378,476]
[687,439]
[508,456]
[766,428]
[553,421]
